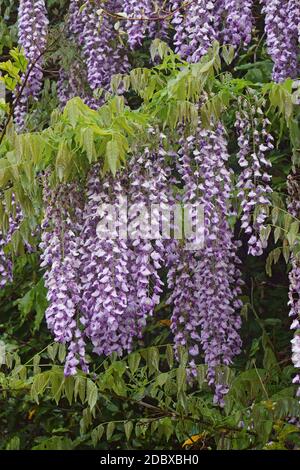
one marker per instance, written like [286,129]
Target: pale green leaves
[13,69]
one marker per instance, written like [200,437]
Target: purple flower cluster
[60,255]
[75,23]
[238,22]
[139,26]
[282,19]
[32,35]
[102,50]
[6,265]
[137,30]
[102,286]
[200,279]
[254,142]
[99,49]
[294,279]
[196,27]
[104,259]
[201,22]
[72,83]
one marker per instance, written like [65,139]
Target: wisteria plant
[164,106]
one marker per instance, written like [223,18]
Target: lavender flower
[102,51]
[60,256]
[294,279]
[201,278]
[137,30]
[282,30]
[254,142]
[6,265]
[237,28]
[196,28]
[32,34]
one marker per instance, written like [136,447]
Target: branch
[22,88]
[152,18]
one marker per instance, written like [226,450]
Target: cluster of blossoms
[91,26]
[6,265]
[32,31]
[102,285]
[200,278]
[254,142]
[196,27]
[139,26]
[202,22]
[137,29]
[73,82]
[60,254]
[282,20]
[238,22]
[100,51]
[102,289]
[103,52]
[294,279]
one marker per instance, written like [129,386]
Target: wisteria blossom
[200,279]
[254,142]
[294,279]
[195,28]
[60,255]
[238,22]
[32,35]
[103,53]
[282,19]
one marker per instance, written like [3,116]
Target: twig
[152,18]
[22,88]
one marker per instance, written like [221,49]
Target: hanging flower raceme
[73,82]
[60,256]
[121,285]
[294,279]
[206,282]
[75,23]
[104,268]
[6,265]
[102,50]
[137,26]
[282,19]
[32,35]
[196,27]
[238,22]
[254,142]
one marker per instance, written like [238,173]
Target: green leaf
[181,378]
[228,53]
[39,385]
[170,355]
[80,388]
[56,380]
[13,443]
[113,152]
[134,361]
[128,427]
[61,352]
[69,386]
[63,164]
[88,144]
[97,434]
[91,393]
[110,430]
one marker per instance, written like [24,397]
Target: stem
[152,18]
[20,92]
